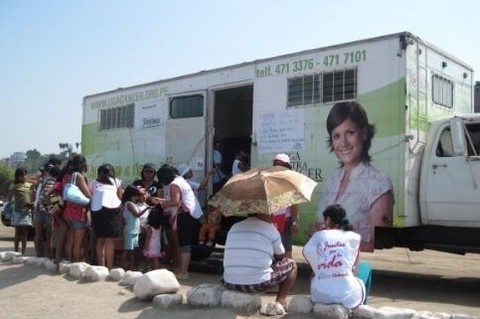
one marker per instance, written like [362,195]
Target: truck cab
[449,190]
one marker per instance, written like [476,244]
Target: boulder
[208,295]
[272,309]
[19,259]
[64,266]
[166,301]
[155,282]
[77,270]
[8,255]
[245,302]
[331,311]
[130,277]
[31,261]
[40,261]
[96,273]
[300,304]
[51,265]
[423,315]
[394,313]
[116,274]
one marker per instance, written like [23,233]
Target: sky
[55,52]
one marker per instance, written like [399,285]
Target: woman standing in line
[75,215]
[105,206]
[180,202]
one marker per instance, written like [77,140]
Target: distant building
[476,97]
[17,159]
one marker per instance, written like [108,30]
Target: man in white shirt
[254,258]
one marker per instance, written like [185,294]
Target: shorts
[281,270]
[21,219]
[76,224]
[130,241]
[187,229]
[105,222]
[42,217]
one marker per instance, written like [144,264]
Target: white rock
[364,312]
[130,277]
[19,259]
[331,311]
[395,313]
[166,301]
[423,315]
[155,282]
[8,255]
[272,309]
[77,270]
[208,295]
[300,304]
[64,266]
[40,261]
[246,302]
[32,261]
[441,315]
[461,316]
[96,273]
[51,266]
[116,274]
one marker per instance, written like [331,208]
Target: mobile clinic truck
[412,91]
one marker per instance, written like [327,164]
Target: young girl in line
[153,230]
[131,230]
[21,191]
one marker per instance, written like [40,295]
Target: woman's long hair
[166,174]
[105,174]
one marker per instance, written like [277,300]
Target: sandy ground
[423,281]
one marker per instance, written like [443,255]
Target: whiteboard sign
[280,131]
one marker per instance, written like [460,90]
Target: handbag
[73,194]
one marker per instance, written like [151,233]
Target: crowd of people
[159,219]
[156,217]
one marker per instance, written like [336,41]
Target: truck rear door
[185,135]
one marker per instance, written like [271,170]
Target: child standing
[153,230]
[131,230]
[210,228]
[21,191]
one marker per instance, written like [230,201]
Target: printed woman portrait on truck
[365,192]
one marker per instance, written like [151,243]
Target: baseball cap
[283,158]
[149,167]
[183,169]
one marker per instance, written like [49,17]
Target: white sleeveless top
[189,201]
[104,195]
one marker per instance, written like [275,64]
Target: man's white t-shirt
[249,250]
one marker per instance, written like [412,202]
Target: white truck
[419,97]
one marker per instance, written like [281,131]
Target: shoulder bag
[73,194]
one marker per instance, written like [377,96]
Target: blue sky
[54,52]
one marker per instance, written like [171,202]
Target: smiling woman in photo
[365,192]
